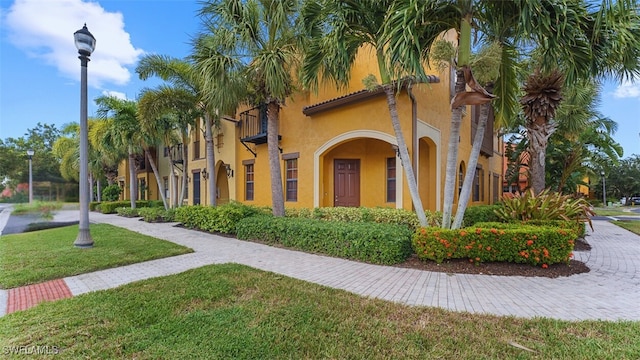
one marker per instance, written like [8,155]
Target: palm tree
[259,38]
[123,134]
[339,29]
[604,41]
[182,98]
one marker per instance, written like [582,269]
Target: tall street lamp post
[604,190]
[30,155]
[86,43]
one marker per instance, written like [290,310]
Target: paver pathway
[610,291]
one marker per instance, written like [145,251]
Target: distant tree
[623,180]
[13,155]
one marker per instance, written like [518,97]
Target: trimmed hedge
[156,214]
[535,245]
[109,207]
[580,228]
[221,218]
[363,214]
[371,242]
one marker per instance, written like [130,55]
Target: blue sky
[40,71]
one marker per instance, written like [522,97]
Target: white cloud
[628,90]
[44,29]
[116,94]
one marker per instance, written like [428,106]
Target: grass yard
[631,225]
[34,257]
[232,311]
[611,212]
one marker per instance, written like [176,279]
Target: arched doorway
[222,184]
[427,173]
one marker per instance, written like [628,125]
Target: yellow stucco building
[338,148]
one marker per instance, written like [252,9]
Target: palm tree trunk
[157,175]
[133,184]
[99,190]
[452,154]
[90,180]
[404,155]
[185,168]
[211,159]
[538,135]
[277,195]
[172,183]
[471,166]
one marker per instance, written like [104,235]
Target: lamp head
[30,152]
[85,42]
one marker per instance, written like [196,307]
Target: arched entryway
[222,184]
[358,168]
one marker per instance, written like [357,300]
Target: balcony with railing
[253,125]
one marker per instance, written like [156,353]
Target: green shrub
[127,212]
[111,192]
[221,218]
[156,214]
[109,207]
[480,213]
[535,245]
[363,214]
[93,205]
[364,241]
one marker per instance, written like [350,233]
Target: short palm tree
[123,134]
[179,99]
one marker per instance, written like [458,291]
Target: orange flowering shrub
[535,245]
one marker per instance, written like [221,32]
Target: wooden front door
[346,182]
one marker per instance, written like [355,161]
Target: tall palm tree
[259,38]
[123,134]
[339,29]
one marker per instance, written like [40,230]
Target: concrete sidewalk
[610,291]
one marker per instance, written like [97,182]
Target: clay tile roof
[351,98]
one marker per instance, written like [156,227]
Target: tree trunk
[404,155]
[277,195]
[133,184]
[90,180]
[185,166]
[152,163]
[173,194]
[538,135]
[471,166]
[211,159]
[99,190]
[452,154]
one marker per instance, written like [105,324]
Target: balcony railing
[253,124]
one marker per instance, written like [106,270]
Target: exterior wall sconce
[229,170]
[396,149]
[205,174]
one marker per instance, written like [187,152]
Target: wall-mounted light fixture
[396,149]
[205,174]
[229,170]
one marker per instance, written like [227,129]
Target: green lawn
[235,312]
[631,225]
[611,212]
[38,256]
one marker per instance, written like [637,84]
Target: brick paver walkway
[610,291]
[25,297]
